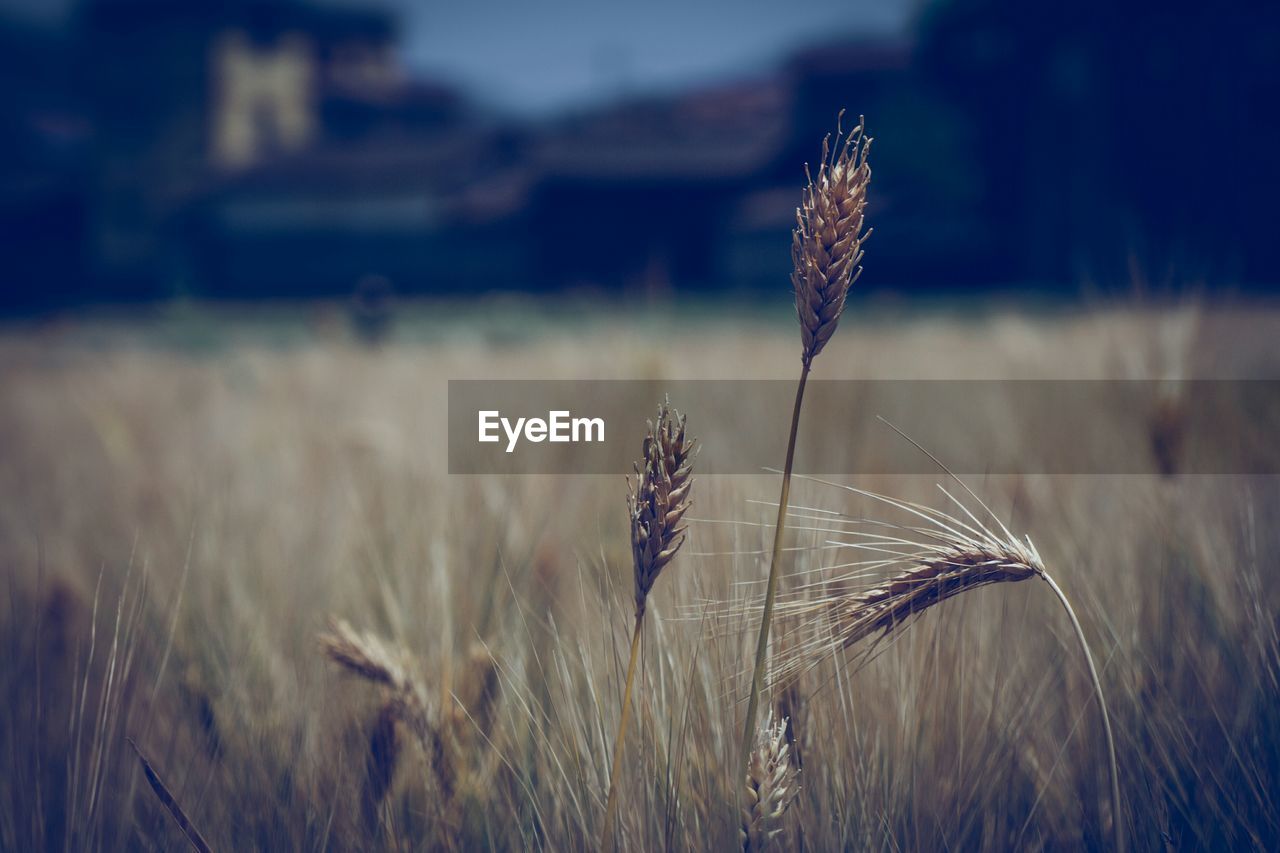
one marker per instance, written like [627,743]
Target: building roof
[722,132]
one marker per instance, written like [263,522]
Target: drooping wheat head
[771,786]
[909,568]
[365,655]
[448,737]
[914,566]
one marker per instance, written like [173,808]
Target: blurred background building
[282,149]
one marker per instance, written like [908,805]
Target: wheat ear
[826,253]
[771,786]
[366,656]
[938,556]
[656,503]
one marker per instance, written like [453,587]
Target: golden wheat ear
[826,244]
[659,498]
[771,786]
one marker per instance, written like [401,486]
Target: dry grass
[178,526]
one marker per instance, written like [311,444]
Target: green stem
[611,805]
[1116,823]
[771,591]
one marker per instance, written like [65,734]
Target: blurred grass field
[189,495]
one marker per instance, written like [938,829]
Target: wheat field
[238,545]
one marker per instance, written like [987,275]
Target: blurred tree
[1113,133]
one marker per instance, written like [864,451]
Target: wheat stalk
[826,253]
[656,503]
[770,786]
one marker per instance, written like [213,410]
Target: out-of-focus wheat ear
[362,654]
[826,244]
[193,836]
[771,786]
[407,703]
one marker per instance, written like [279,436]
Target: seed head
[826,245]
[771,786]
[658,497]
[909,569]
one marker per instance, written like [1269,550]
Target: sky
[543,56]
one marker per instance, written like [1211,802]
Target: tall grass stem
[611,805]
[771,590]
[1116,823]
